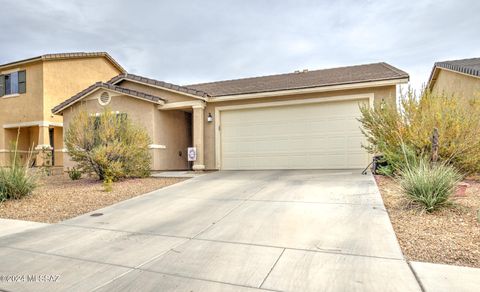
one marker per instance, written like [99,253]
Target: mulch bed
[448,236]
[59,198]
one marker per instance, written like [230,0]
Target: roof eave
[61,107]
[21,62]
[44,58]
[432,79]
[305,90]
[122,77]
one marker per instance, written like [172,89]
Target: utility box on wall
[192,153]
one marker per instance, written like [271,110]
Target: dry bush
[411,124]
[109,145]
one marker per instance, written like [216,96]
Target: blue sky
[194,41]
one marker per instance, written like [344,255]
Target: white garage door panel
[308,136]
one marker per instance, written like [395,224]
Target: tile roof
[308,79]
[467,66]
[149,81]
[115,88]
[74,55]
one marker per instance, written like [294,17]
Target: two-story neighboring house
[460,78]
[30,88]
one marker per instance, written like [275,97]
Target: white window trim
[11,95]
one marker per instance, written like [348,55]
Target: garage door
[308,136]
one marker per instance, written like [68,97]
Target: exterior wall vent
[104,98]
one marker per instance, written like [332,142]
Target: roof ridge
[466,59]
[52,56]
[461,68]
[167,85]
[283,74]
[396,70]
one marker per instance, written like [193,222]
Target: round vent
[104,98]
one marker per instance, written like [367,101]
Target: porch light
[209,118]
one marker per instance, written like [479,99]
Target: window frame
[7,90]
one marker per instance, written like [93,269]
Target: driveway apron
[278,230]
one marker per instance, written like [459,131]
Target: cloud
[194,41]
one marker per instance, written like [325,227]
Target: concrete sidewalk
[10,226]
[224,231]
[446,278]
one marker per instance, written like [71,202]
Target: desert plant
[428,184]
[108,143]
[412,122]
[108,184]
[17,180]
[46,158]
[74,174]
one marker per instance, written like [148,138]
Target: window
[13,83]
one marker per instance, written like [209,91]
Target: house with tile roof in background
[30,88]
[460,78]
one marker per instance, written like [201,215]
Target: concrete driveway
[225,231]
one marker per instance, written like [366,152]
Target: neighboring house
[459,78]
[30,88]
[301,120]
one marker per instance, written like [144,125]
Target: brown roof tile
[74,55]
[467,66]
[115,88]
[309,79]
[145,80]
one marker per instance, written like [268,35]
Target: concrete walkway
[10,226]
[447,278]
[224,231]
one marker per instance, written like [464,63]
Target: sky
[187,42]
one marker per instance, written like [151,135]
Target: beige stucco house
[30,88]
[301,120]
[460,78]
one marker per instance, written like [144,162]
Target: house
[30,88]
[456,78]
[301,120]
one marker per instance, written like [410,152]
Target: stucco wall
[23,107]
[173,128]
[48,84]
[20,108]
[65,78]
[168,128]
[457,84]
[386,94]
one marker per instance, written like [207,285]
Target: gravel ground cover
[447,236]
[59,198]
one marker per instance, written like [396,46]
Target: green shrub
[108,144]
[74,174]
[17,180]
[392,130]
[429,184]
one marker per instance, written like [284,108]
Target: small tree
[109,145]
